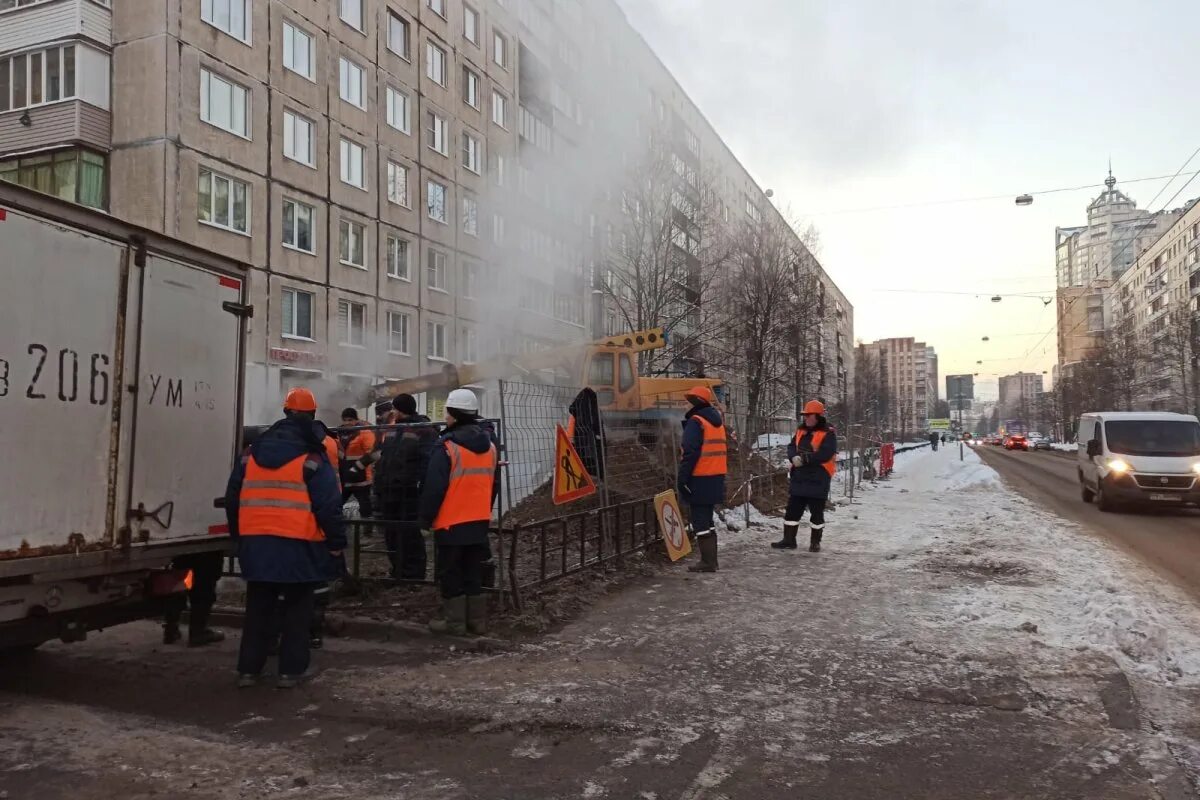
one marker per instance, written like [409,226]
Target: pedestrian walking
[702,467]
[812,454]
[459,491]
[404,460]
[358,452]
[285,513]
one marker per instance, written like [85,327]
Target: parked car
[1142,457]
[1016,441]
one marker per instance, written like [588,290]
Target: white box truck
[121,379]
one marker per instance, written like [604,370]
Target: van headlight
[1119,466]
[1196,468]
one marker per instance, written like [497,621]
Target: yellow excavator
[608,366]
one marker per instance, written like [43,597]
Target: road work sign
[939,424]
[571,479]
[670,522]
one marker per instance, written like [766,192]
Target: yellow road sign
[571,478]
[670,523]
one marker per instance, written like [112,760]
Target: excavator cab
[611,373]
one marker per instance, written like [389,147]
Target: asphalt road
[1167,540]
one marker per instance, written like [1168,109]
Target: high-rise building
[909,371]
[960,391]
[1018,394]
[414,182]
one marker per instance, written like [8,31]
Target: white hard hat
[463,400]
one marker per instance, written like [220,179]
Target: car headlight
[1196,468]
[1119,466]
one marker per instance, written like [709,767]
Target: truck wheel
[1084,492]
[1102,501]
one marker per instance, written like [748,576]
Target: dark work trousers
[270,606]
[405,544]
[702,519]
[460,568]
[363,495]
[795,512]
[206,571]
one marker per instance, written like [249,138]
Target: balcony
[33,23]
[62,123]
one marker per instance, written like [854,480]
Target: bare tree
[1121,361]
[1177,348]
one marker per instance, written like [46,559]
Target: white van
[1143,457]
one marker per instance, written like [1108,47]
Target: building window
[297,314]
[499,109]
[78,176]
[352,161]
[436,201]
[298,139]
[437,133]
[352,243]
[470,287]
[398,324]
[500,49]
[298,219]
[224,104]
[397,109]
[500,168]
[471,25]
[350,82]
[498,228]
[397,258]
[435,63]
[472,152]
[470,88]
[438,7]
[351,12]
[227,15]
[352,323]
[30,79]
[470,346]
[224,202]
[470,215]
[397,35]
[297,51]
[397,184]
[435,340]
[435,270]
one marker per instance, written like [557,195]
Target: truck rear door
[185,426]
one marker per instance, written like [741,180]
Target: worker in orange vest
[285,513]
[358,451]
[702,467]
[812,455]
[457,496]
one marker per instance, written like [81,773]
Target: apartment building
[1157,301]
[1019,394]
[414,182]
[909,371]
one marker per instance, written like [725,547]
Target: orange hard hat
[814,407]
[300,399]
[701,393]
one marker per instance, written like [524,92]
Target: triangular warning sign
[571,479]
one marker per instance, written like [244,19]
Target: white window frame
[207,78]
[346,87]
[469,12]
[471,85]
[439,133]
[470,282]
[398,274]
[499,109]
[210,13]
[499,49]
[470,215]
[469,346]
[472,151]
[286,323]
[353,233]
[346,336]
[290,35]
[435,270]
[405,332]
[232,184]
[429,187]
[345,6]
[297,205]
[394,173]
[430,50]
[438,7]
[393,17]
[292,124]
[435,334]
[346,165]
[399,109]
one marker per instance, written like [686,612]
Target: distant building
[910,374]
[960,391]
[1019,393]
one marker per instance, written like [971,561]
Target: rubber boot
[199,634]
[454,617]
[171,633]
[707,544]
[788,542]
[477,614]
[814,541]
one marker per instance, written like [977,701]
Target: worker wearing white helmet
[459,491]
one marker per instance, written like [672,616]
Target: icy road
[952,641]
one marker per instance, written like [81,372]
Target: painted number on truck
[47,372]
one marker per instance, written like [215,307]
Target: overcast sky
[843,106]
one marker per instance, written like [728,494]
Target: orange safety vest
[469,495]
[712,450]
[331,452]
[830,466]
[275,502]
[362,443]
